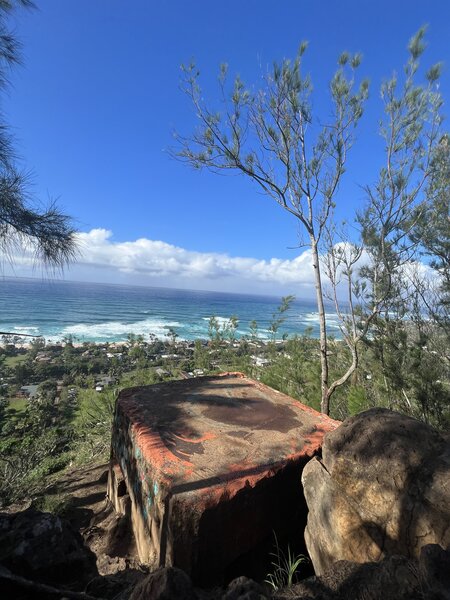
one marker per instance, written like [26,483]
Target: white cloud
[154,262]
[157,263]
[156,259]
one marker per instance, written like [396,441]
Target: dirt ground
[108,535]
[84,504]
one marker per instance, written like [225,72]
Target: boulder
[115,587]
[382,487]
[395,577]
[434,570]
[43,547]
[166,583]
[243,588]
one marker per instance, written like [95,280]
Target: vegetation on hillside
[67,418]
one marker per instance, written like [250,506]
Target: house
[104,381]
[258,361]
[28,391]
[161,372]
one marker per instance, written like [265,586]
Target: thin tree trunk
[325,402]
[352,369]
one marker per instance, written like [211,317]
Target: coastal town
[57,398]
[30,370]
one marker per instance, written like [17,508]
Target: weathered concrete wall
[212,466]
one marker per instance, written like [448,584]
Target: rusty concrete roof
[213,429]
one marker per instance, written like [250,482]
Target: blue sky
[94,106]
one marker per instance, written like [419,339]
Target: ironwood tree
[270,135]
[396,223]
[46,231]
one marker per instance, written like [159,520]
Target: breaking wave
[116,330]
[313,319]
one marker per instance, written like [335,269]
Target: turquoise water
[105,312]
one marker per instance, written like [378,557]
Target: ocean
[107,312]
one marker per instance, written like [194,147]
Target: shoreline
[118,344]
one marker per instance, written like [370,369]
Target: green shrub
[285,566]
[57,504]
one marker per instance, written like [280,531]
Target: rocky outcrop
[42,547]
[165,584]
[381,488]
[170,583]
[243,588]
[395,577]
[434,570]
[119,586]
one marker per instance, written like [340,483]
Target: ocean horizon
[106,312]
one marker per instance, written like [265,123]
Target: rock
[167,583]
[243,588]
[119,539]
[318,588]
[434,565]
[115,587]
[395,577]
[43,547]
[381,488]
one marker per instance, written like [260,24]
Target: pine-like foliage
[46,231]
